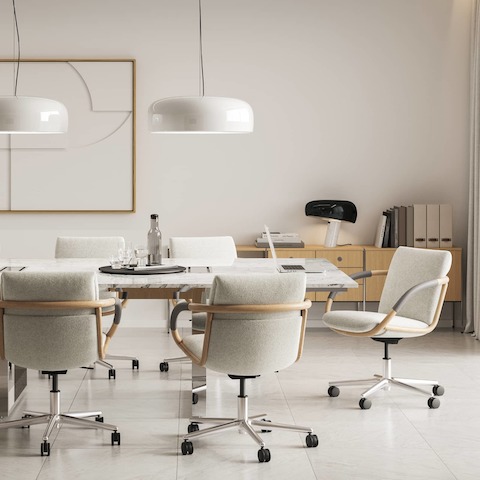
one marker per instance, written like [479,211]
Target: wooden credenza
[355,258]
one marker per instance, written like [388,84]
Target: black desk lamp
[334,212]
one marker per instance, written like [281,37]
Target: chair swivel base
[385,381]
[244,423]
[55,419]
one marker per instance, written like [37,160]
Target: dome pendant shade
[201,115]
[32,115]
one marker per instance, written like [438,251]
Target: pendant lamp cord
[202,77]
[18,45]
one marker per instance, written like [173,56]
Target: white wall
[364,100]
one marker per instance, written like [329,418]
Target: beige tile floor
[398,438]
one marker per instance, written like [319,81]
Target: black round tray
[147,271]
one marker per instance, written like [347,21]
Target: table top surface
[199,273]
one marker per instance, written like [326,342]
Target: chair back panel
[255,343]
[221,248]
[88,247]
[49,339]
[409,267]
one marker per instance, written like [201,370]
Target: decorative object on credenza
[201,114]
[334,212]
[23,114]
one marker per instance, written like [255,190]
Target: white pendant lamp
[201,114]
[20,114]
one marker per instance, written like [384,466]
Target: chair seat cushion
[199,320]
[360,322]
[194,343]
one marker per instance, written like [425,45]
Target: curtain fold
[473,245]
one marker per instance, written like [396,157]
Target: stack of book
[285,240]
[418,225]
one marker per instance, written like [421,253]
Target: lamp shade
[32,115]
[201,115]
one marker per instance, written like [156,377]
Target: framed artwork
[92,167]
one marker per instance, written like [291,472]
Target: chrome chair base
[385,381]
[56,419]
[244,424]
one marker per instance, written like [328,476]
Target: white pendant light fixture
[20,114]
[201,114]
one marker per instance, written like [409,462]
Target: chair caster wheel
[187,447]
[45,449]
[264,430]
[135,364]
[365,403]
[116,438]
[433,402]
[193,427]
[438,390]
[264,455]
[112,374]
[311,440]
[99,419]
[164,366]
[333,391]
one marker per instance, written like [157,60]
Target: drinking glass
[141,253]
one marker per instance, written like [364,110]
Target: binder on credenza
[380,231]
[393,242]
[420,225]
[410,226]
[433,226]
[402,226]
[386,235]
[446,226]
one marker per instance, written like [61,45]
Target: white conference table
[198,275]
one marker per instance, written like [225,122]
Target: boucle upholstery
[253,343]
[409,267]
[50,339]
[88,247]
[219,248]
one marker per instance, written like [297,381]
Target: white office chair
[410,306]
[51,322]
[100,247]
[255,325]
[220,249]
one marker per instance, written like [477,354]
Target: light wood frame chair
[41,329]
[217,249]
[412,299]
[247,336]
[101,247]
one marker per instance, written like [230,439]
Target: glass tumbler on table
[141,253]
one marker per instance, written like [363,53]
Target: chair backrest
[44,339]
[88,247]
[221,248]
[409,267]
[259,342]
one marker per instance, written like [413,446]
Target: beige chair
[218,249]
[410,306]
[255,325]
[52,322]
[100,247]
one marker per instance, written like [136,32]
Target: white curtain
[473,247]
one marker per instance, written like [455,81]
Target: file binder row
[418,225]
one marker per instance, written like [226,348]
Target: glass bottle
[154,241]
